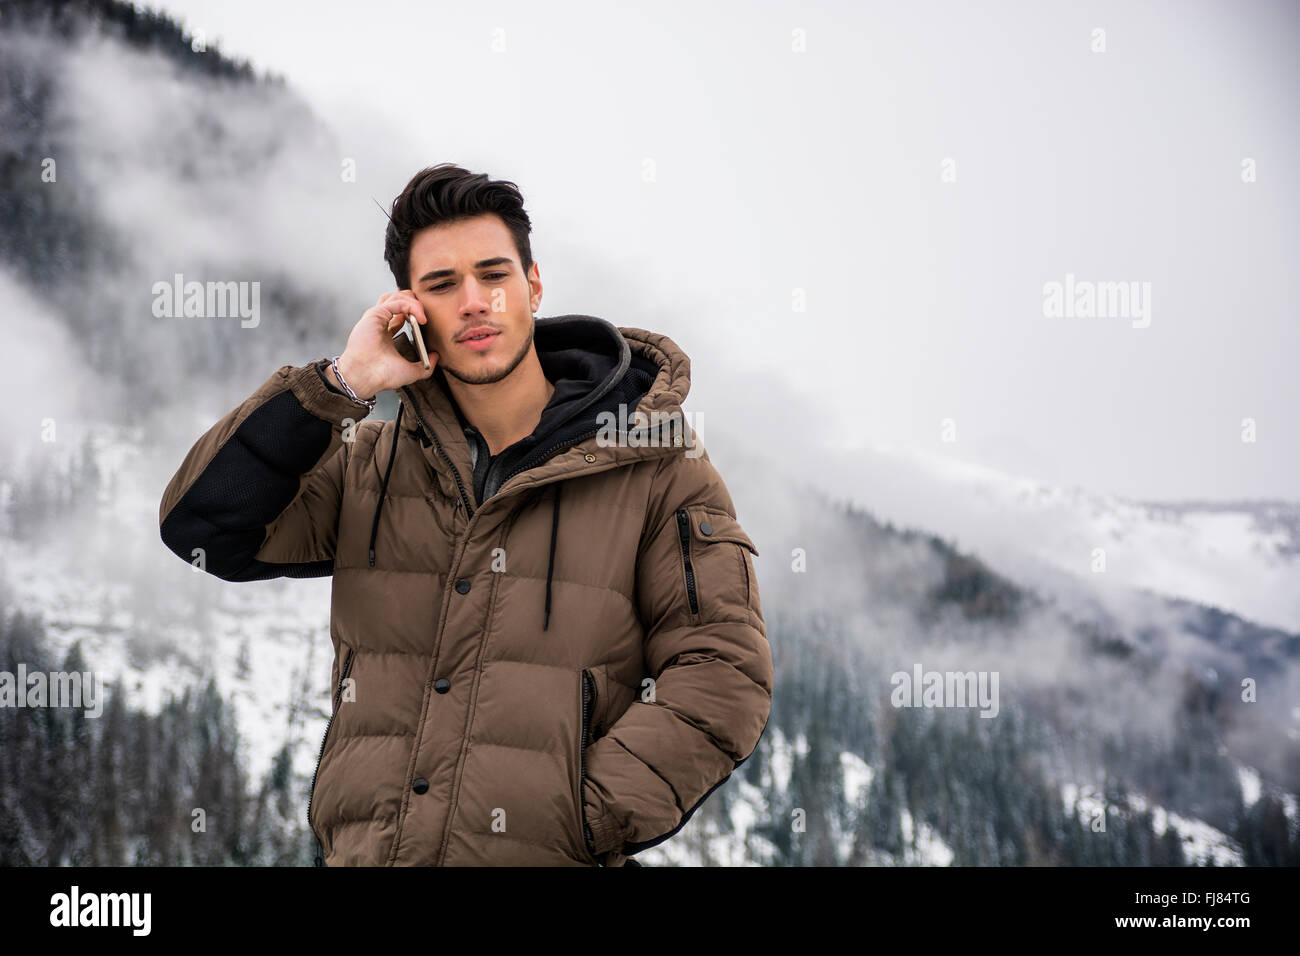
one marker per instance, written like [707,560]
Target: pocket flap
[712,524]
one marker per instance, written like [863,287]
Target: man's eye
[489,275]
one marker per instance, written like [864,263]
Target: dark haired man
[549,645]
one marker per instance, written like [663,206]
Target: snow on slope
[1241,557]
[1201,842]
[152,626]
[924,847]
[742,845]
[1252,789]
[1231,557]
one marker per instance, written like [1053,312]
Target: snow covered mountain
[1241,557]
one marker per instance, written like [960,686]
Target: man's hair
[447,193]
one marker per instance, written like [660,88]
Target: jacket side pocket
[587,694]
[338,696]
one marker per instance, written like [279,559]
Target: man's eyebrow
[481,264]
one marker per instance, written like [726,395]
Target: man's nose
[476,299]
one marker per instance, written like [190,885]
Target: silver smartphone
[412,328]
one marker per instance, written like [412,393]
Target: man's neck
[508,410]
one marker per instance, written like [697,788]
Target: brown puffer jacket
[550,661]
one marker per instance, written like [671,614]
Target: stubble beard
[489,377]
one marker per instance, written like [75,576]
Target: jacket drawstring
[550,567]
[383,494]
[383,490]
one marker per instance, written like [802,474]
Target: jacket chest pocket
[717,573]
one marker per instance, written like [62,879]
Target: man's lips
[478,338]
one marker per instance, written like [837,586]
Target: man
[549,646]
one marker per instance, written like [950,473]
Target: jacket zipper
[582,763]
[431,434]
[338,697]
[531,462]
[684,532]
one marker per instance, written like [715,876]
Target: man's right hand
[371,362]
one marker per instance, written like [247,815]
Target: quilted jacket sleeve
[707,653]
[258,494]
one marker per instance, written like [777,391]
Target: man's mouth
[478,339]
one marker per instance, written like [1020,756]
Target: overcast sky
[919,170]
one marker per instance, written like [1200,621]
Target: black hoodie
[588,361]
[590,365]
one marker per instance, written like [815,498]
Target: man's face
[468,278]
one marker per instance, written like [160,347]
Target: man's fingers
[392,312]
[398,301]
[395,322]
[405,301]
[417,309]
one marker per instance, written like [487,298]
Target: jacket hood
[590,364]
[597,368]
